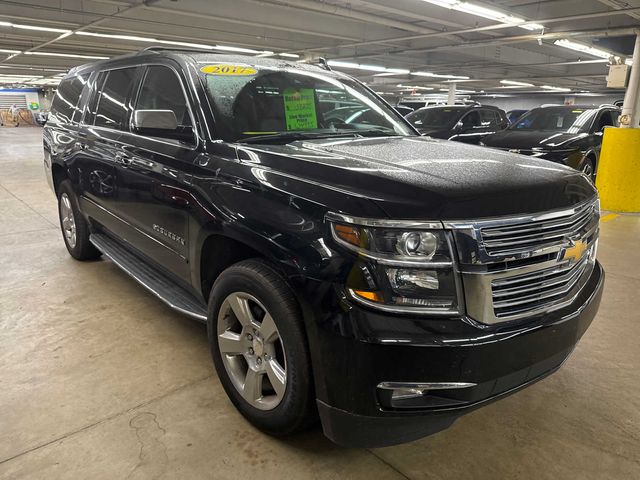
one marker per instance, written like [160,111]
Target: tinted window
[472,119]
[559,119]
[112,110]
[606,120]
[65,103]
[488,118]
[161,90]
[441,117]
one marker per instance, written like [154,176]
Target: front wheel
[259,347]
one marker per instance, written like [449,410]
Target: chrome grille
[535,291]
[533,235]
[515,268]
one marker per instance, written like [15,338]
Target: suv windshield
[435,117]
[557,119]
[270,104]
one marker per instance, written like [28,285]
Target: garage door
[7,100]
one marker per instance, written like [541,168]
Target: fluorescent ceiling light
[6,50]
[514,83]
[70,55]
[581,47]
[289,55]
[357,66]
[458,91]
[485,12]
[439,75]
[556,89]
[414,87]
[136,38]
[34,27]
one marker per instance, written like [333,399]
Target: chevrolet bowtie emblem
[575,252]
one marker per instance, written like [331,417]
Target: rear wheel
[75,229]
[259,347]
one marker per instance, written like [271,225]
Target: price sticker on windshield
[223,69]
[300,109]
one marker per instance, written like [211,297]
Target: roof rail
[159,48]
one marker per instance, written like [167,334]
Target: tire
[588,167]
[75,229]
[257,291]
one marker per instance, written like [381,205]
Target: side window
[471,119]
[615,114]
[605,120]
[65,105]
[112,109]
[161,90]
[487,118]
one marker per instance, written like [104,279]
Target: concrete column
[630,111]
[452,94]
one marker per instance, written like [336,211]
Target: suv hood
[514,139]
[423,178]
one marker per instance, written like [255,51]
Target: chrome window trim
[386,223]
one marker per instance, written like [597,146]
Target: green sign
[34,106]
[300,109]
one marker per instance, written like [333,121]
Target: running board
[151,278]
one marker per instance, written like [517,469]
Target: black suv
[383,281]
[571,135]
[462,123]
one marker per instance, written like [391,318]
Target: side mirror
[160,123]
[154,120]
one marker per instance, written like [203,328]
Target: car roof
[202,57]
[459,107]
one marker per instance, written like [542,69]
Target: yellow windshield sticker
[300,109]
[223,69]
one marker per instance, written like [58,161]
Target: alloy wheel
[252,351]
[68,220]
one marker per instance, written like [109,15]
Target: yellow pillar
[618,178]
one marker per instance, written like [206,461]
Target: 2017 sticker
[239,70]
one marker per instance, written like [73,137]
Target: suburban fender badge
[168,234]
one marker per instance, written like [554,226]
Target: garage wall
[20,96]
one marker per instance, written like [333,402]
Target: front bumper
[355,351]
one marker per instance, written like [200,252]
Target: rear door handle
[80,146]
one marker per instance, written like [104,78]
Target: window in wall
[112,109]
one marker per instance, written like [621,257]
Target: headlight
[405,267]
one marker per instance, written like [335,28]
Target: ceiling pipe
[349,13]
[500,26]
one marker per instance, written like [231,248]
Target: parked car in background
[514,115]
[571,134]
[462,123]
[403,110]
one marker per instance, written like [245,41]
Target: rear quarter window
[65,107]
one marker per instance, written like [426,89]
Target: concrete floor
[98,379]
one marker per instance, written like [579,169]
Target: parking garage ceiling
[499,46]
